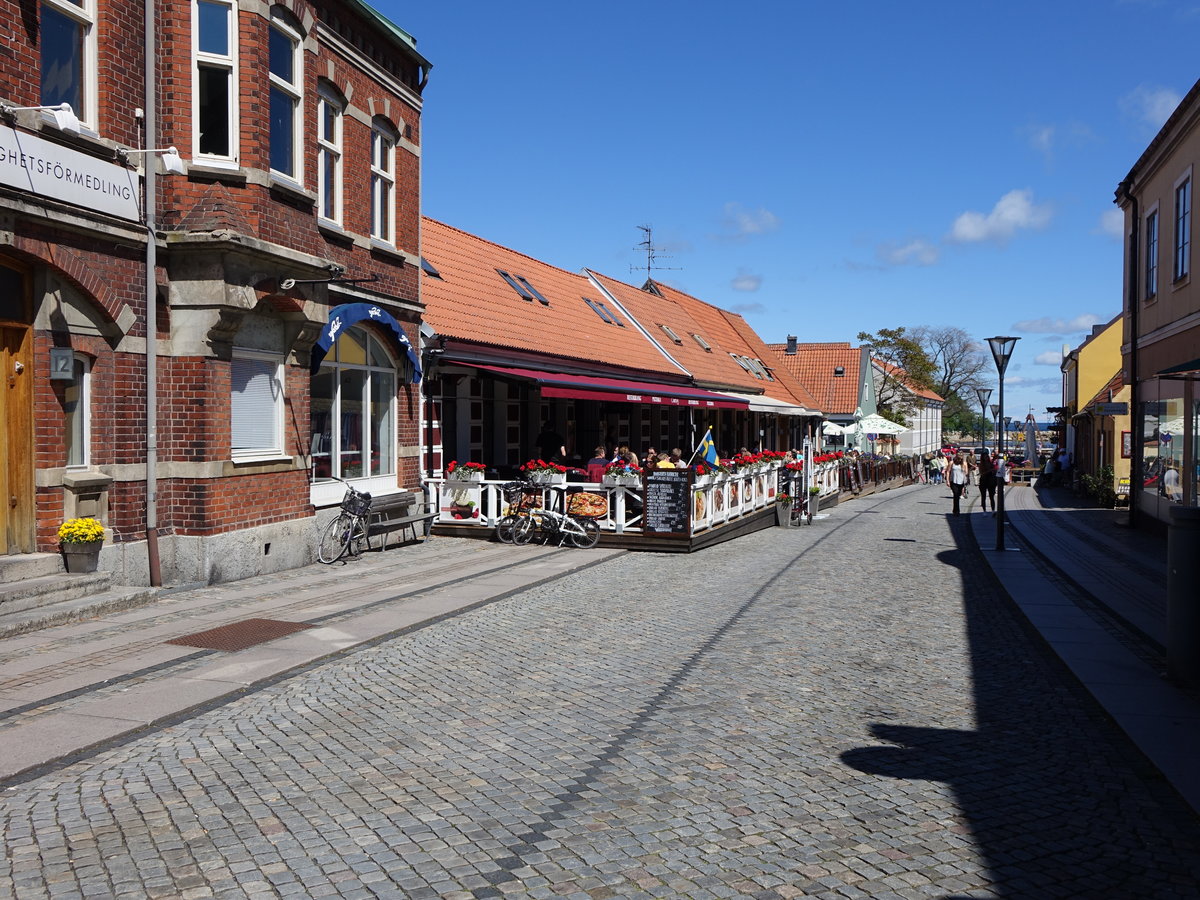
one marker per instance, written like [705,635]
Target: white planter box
[548,477]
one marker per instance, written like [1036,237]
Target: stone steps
[36,592]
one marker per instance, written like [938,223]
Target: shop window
[353,409]
[215,89]
[68,51]
[256,404]
[77,406]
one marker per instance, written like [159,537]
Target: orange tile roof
[727,332]
[902,377]
[812,365]
[714,370]
[472,302]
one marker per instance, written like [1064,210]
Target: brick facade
[227,236]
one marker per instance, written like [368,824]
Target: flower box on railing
[465,475]
[629,481]
[548,477]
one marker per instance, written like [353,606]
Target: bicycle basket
[356,503]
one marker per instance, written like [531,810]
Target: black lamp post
[984,394]
[996,419]
[1002,349]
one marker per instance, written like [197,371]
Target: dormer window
[671,334]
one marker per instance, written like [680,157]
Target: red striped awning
[588,387]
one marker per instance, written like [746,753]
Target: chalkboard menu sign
[666,495]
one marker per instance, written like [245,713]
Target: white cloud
[747,308]
[744,223]
[1049,358]
[746,281]
[1150,105]
[1112,223]
[917,252]
[1050,325]
[1041,138]
[1013,212]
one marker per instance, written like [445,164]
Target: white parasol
[832,428]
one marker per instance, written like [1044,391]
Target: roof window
[524,289]
[603,312]
[671,334]
[702,342]
[428,269]
[839,371]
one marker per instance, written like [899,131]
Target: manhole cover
[239,635]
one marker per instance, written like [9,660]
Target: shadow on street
[1058,803]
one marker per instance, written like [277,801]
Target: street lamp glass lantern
[1002,348]
[995,410]
[984,395]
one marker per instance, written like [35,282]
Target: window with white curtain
[68,55]
[353,409]
[256,404]
[77,406]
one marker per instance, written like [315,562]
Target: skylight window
[612,315]
[531,289]
[512,282]
[598,311]
[428,269]
[671,334]
[747,364]
[702,342]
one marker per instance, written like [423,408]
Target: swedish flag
[707,449]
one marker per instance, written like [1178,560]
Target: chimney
[791,345]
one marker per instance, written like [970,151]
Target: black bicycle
[349,529]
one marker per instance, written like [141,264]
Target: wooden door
[16,415]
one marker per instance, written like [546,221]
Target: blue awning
[342,317]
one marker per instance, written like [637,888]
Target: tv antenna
[652,254]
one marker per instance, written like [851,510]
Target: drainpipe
[1136,424]
[150,133]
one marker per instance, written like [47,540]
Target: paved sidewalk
[72,687]
[1097,592]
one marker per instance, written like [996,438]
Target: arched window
[353,408]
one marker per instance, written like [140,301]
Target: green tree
[905,366]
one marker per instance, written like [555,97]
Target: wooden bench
[396,512]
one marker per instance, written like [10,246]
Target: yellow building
[1097,401]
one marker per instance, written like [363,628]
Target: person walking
[957,475]
[987,481]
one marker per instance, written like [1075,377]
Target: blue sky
[823,169]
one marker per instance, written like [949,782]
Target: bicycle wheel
[523,530]
[588,536]
[335,539]
[504,528]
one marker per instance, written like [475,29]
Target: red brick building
[285,300]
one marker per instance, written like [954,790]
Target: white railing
[715,499]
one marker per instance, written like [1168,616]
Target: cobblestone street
[846,710]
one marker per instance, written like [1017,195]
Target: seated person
[597,464]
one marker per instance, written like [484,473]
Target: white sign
[29,163]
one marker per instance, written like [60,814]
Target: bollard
[1183,598]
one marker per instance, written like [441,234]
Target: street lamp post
[996,419]
[1002,348]
[984,394]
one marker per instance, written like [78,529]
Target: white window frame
[327,149]
[85,413]
[326,491]
[383,183]
[227,63]
[256,453]
[83,12]
[1181,239]
[295,91]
